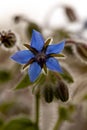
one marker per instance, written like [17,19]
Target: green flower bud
[61,91]
[48,93]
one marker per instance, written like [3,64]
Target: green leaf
[84,98]
[67,76]
[71,108]
[5,106]
[39,82]
[13,107]
[19,123]
[1,123]
[4,76]
[63,113]
[25,82]
[66,112]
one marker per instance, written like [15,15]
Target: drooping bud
[48,93]
[17,18]
[71,14]
[8,39]
[61,91]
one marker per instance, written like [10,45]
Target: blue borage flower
[39,55]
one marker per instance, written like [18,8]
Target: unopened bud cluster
[59,91]
[8,39]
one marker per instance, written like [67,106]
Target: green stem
[58,124]
[37,111]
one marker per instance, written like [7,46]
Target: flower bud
[17,18]
[48,93]
[8,39]
[71,15]
[61,91]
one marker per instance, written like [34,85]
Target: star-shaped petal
[37,40]
[22,57]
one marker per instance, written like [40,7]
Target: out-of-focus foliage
[5,76]
[6,106]
[11,108]
[21,123]
[65,113]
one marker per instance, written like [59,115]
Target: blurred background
[60,19]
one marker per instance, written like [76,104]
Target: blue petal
[56,48]
[34,71]
[22,57]
[37,40]
[53,64]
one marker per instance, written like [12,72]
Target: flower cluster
[39,55]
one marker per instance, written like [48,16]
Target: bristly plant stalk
[37,101]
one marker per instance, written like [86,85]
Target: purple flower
[39,55]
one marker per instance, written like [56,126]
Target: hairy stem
[58,124]
[71,41]
[37,111]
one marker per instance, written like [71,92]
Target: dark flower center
[41,58]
